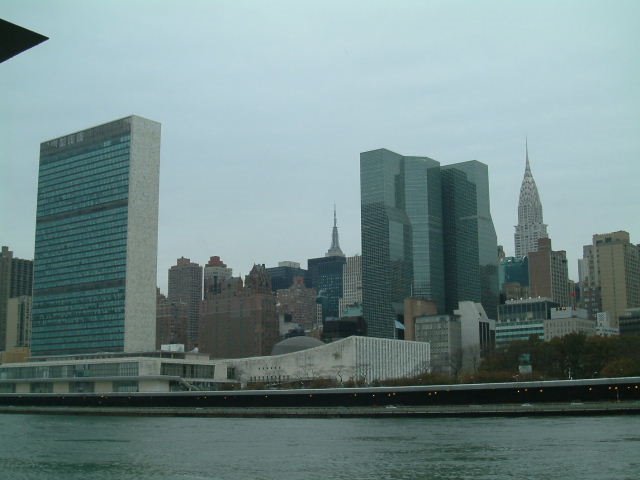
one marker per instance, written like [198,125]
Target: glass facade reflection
[426,232]
[83,236]
[401,236]
[487,241]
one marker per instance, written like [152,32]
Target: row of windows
[187,371]
[70,180]
[53,176]
[69,309]
[74,222]
[107,327]
[74,275]
[66,162]
[98,188]
[87,202]
[97,276]
[105,260]
[123,369]
[113,245]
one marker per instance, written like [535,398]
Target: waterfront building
[530,226]
[185,286]
[94,283]
[351,284]
[16,280]
[284,274]
[241,320]
[549,273]
[613,280]
[521,319]
[402,246]
[567,320]
[360,360]
[153,372]
[216,273]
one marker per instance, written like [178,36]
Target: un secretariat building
[95,255]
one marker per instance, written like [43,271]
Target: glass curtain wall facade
[461,255]
[487,241]
[326,275]
[401,236]
[96,240]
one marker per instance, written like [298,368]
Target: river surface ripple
[144,448]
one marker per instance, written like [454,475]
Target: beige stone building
[614,273]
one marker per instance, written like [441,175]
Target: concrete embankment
[498,410]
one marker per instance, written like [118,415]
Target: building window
[7,388]
[81,387]
[125,386]
[41,387]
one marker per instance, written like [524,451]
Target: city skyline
[259,143]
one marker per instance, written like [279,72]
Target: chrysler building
[530,224]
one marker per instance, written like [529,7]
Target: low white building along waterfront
[362,360]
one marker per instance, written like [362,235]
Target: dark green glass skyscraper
[96,240]
[426,233]
[477,173]
[401,236]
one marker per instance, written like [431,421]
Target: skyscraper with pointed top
[325,275]
[334,250]
[530,224]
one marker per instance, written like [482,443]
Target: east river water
[55,447]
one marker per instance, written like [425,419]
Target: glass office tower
[477,173]
[96,240]
[401,236]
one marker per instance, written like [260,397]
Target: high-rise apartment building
[530,223]
[185,286]
[611,275]
[241,320]
[427,233]
[216,273]
[94,286]
[351,283]
[549,273]
[283,276]
[298,304]
[172,322]
[16,280]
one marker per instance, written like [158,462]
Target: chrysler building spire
[530,223]
[334,250]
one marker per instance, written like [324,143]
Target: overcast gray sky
[265,107]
